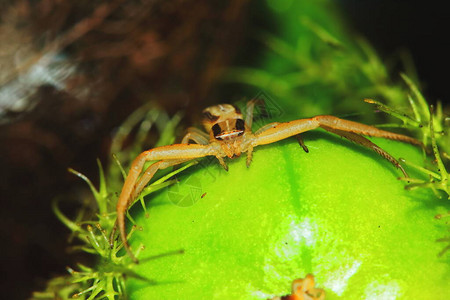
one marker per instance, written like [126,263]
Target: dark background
[419,28]
[33,175]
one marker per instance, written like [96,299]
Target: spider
[229,135]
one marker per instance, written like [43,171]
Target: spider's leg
[150,172]
[284,130]
[193,134]
[249,112]
[250,147]
[350,130]
[145,178]
[249,155]
[355,127]
[196,135]
[222,163]
[164,155]
[265,127]
[201,137]
[358,139]
[302,143]
[274,132]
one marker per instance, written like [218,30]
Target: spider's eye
[240,126]
[216,131]
[209,116]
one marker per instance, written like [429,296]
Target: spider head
[224,122]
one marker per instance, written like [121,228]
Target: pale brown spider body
[230,135]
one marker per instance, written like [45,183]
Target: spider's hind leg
[358,139]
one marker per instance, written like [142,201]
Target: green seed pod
[337,212]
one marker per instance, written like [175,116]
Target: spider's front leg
[196,135]
[359,128]
[165,156]
[248,125]
[348,129]
[353,131]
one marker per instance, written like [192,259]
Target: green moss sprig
[432,127]
[91,231]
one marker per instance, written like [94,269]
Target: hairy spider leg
[274,132]
[139,186]
[265,127]
[358,139]
[166,156]
[196,135]
[355,127]
[193,134]
[345,128]
[249,112]
[271,125]
[302,143]
[248,126]
[148,174]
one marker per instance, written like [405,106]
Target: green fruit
[337,212]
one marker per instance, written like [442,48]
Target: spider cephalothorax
[225,123]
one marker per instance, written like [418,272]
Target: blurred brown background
[101,60]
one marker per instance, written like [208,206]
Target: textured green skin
[337,212]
